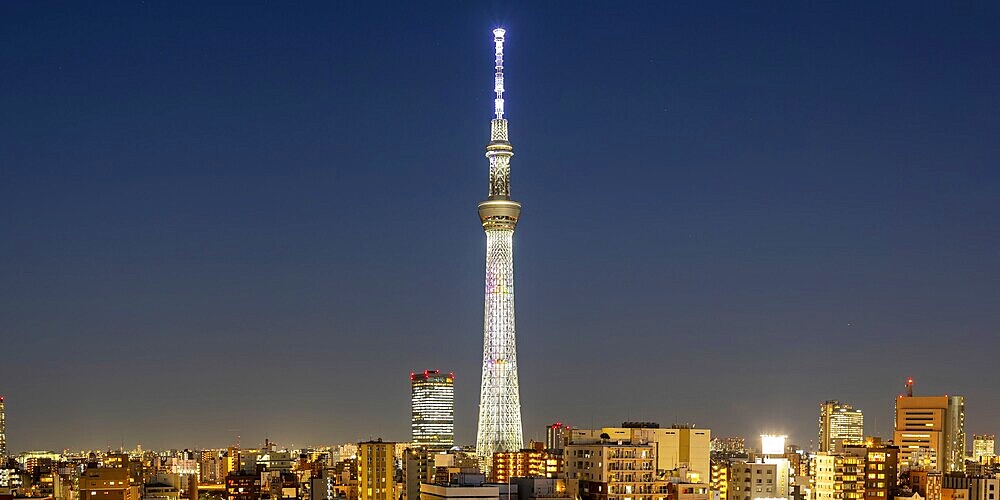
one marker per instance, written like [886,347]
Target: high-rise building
[839,422]
[556,436]
[432,400]
[3,433]
[377,470]
[931,429]
[499,399]
[983,447]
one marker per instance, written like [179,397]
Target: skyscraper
[432,399]
[499,400]
[556,436]
[838,422]
[931,427]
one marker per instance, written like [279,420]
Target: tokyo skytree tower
[499,400]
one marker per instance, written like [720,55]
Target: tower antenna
[498,77]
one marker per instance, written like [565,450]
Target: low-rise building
[626,470]
[107,483]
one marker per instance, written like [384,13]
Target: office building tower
[839,422]
[499,399]
[983,447]
[377,470]
[930,430]
[556,436]
[432,401]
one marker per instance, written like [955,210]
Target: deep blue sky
[262,216]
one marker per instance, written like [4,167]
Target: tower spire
[498,77]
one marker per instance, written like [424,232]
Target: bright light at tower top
[498,78]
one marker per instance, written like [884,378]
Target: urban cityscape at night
[760,259]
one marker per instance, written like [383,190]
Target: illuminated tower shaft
[499,401]
[3,433]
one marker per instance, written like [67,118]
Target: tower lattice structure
[499,399]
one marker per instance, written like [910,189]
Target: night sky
[257,219]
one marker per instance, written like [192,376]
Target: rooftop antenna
[909,387]
[498,78]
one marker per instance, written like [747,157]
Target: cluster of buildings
[925,459]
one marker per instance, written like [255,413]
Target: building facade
[613,471]
[556,436]
[930,430]
[719,477]
[377,470]
[418,468]
[839,422]
[680,451]
[749,480]
[107,483]
[983,447]
[432,401]
[536,462]
[881,468]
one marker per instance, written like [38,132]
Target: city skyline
[729,205]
